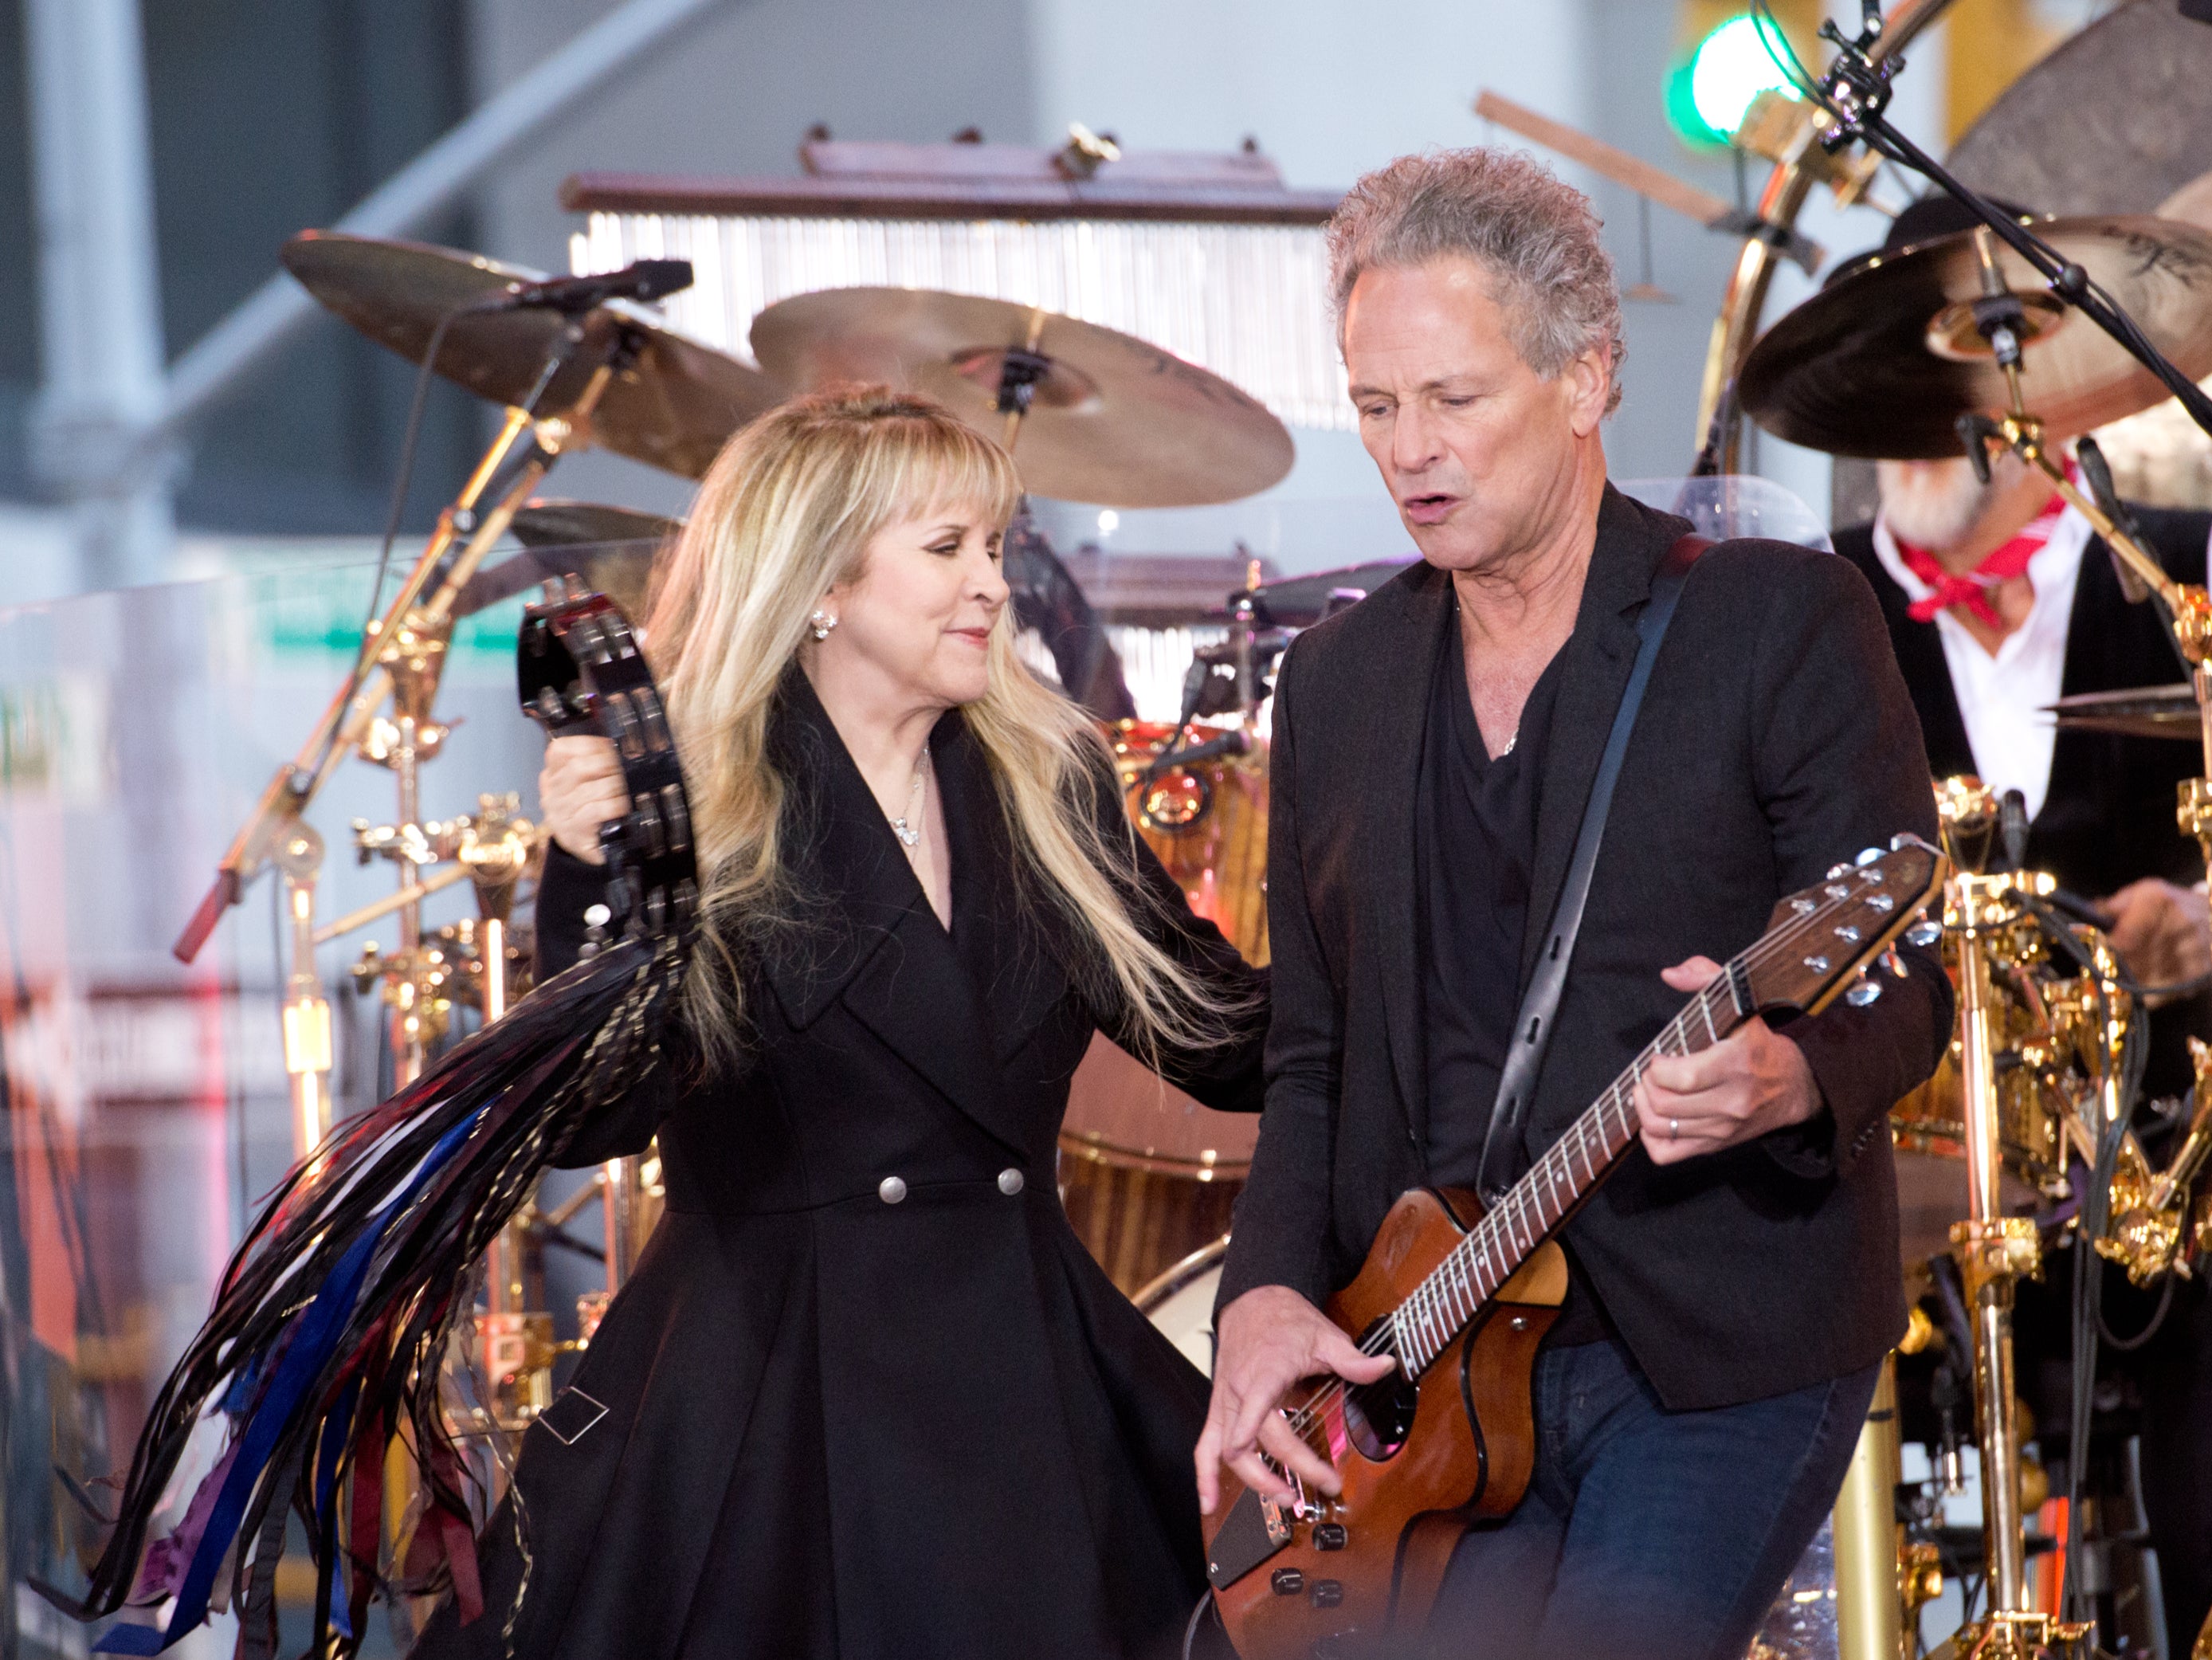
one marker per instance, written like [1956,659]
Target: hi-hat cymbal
[1113,421]
[1881,362]
[615,550]
[2139,711]
[672,408]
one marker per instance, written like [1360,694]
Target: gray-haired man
[1735,1284]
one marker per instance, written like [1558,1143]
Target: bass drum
[1147,1175]
[1181,1302]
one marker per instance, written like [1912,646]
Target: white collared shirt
[2005,699]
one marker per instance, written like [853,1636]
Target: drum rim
[1079,1145]
[1180,1276]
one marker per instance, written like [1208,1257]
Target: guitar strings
[1384,1336]
[1312,1414]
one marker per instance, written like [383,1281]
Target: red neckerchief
[1971,590]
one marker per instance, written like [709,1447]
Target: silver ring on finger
[1673,1129]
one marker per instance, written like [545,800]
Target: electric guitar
[1462,1298]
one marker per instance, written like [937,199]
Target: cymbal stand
[519,457]
[403,655]
[1994,1251]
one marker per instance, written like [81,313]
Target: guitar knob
[1328,1536]
[1328,1593]
[1286,1582]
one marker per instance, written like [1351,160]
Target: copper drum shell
[1147,1174]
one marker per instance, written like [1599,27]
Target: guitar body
[1469,1298]
[1372,1560]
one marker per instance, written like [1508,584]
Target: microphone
[642,279]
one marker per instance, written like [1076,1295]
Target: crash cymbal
[1883,361]
[1298,602]
[2139,711]
[614,549]
[673,408]
[1113,421]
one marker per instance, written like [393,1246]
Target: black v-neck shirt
[1475,853]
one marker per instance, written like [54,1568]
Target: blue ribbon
[313,1338]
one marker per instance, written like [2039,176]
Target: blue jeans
[1647,1534]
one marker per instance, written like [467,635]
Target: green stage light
[1732,66]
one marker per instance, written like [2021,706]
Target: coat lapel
[1599,655]
[866,936]
[999,938]
[1423,598]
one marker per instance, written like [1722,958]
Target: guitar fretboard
[1442,1304]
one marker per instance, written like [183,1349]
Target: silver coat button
[1010,1181]
[891,1189]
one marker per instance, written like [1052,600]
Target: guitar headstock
[1820,938]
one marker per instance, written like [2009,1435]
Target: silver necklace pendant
[902,826]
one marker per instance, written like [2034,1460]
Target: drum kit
[2024,1138]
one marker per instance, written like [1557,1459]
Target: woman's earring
[822,622]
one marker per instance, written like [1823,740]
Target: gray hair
[1537,237]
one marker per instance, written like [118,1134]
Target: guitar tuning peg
[1834,871]
[1863,990]
[1868,855]
[1925,932]
[1894,963]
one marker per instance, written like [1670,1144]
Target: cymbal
[1296,602]
[1883,361]
[2140,712]
[1113,421]
[615,550]
[673,408]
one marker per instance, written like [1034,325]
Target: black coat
[840,1426]
[1775,739]
[2108,817]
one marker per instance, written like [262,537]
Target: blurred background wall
[265,118]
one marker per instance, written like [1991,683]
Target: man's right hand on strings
[1267,1340]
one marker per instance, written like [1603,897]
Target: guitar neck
[1444,1304]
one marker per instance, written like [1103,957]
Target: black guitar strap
[1532,1023]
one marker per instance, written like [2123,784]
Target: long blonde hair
[786,511]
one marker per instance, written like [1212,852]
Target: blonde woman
[866,1393]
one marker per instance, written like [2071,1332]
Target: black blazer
[1775,739]
[866,1393]
[2108,817]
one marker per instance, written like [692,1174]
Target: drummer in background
[2000,600]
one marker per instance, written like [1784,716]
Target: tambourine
[579,672]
